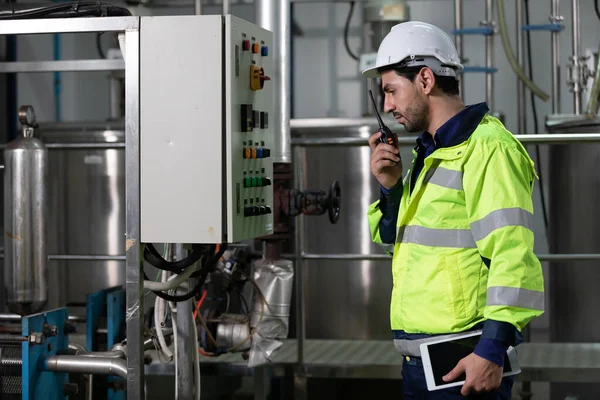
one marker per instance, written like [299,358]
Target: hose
[159,320]
[173,282]
[511,57]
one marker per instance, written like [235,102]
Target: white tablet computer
[441,356]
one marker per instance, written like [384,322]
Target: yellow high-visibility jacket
[464,244]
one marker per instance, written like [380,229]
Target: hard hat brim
[372,72]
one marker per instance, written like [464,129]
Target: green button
[253,181]
[247,182]
[259,181]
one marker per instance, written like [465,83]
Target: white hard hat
[417,44]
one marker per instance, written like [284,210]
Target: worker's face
[405,101]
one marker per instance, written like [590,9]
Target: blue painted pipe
[543,27]
[473,31]
[480,69]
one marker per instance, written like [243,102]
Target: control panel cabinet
[205,138]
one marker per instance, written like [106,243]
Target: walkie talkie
[387,136]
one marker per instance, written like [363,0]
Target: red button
[246,45]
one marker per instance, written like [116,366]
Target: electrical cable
[152,256]
[535,117]
[204,271]
[347,32]
[73,9]
[597,8]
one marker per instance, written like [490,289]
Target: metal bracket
[106,305]
[578,74]
[36,383]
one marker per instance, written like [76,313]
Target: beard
[416,115]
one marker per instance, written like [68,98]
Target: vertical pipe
[577,86]
[11,89]
[521,115]
[198,9]
[114,92]
[299,247]
[458,39]
[274,16]
[554,18]
[489,56]
[225,7]
[134,268]
[57,81]
[185,342]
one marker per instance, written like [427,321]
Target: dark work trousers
[414,386]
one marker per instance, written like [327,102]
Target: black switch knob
[266,153]
[263,210]
[266,182]
[248,211]
[267,210]
[255,210]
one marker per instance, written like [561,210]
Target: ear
[426,80]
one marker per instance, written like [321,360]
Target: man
[459,225]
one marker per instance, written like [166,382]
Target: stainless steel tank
[573,228]
[87,197]
[345,299]
[25,212]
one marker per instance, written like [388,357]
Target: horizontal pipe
[80,146]
[13,338]
[17,317]
[82,257]
[552,138]
[383,257]
[61,66]
[87,365]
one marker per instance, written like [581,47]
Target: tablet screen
[444,357]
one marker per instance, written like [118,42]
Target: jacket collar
[456,130]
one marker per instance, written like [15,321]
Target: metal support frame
[134,291]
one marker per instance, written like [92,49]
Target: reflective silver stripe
[501,218]
[387,247]
[515,297]
[447,178]
[455,238]
[412,347]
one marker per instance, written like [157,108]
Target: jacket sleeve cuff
[502,331]
[492,350]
